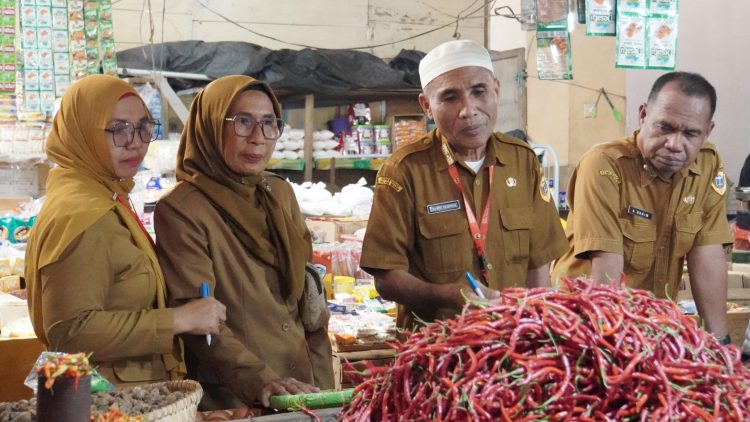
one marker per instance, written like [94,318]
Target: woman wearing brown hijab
[93,277]
[237,227]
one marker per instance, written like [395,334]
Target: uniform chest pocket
[639,241]
[687,227]
[516,229]
[443,241]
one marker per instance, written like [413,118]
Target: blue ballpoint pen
[204,293]
[474,285]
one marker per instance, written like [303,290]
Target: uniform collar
[491,154]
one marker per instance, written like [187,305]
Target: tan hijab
[82,189]
[267,231]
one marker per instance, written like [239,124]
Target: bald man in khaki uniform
[419,243]
[640,205]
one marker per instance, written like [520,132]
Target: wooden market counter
[17,357]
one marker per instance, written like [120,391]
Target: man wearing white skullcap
[461,199]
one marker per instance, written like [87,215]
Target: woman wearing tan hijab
[238,228]
[93,278]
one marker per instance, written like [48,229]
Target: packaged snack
[45,58]
[91,29]
[62,63]
[663,7]
[48,102]
[109,65]
[365,138]
[59,3]
[350,141]
[44,38]
[62,82]
[92,50]
[662,42]
[59,40]
[631,41]
[46,80]
[552,14]
[28,16]
[359,114]
[44,16]
[31,80]
[31,102]
[382,139]
[600,17]
[106,31]
[638,7]
[28,38]
[91,10]
[59,18]
[553,55]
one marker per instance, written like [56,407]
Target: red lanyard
[137,220]
[478,233]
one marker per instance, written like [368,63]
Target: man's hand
[283,387]
[708,281]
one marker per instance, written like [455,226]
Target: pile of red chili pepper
[584,352]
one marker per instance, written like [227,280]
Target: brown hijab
[266,229]
[83,188]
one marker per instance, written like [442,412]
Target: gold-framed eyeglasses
[244,125]
[123,133]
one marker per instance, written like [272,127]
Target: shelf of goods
[312,111]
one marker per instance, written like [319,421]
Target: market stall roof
[313,71]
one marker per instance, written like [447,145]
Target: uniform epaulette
[507,139]
[421,144]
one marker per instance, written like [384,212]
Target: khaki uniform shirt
[264,338]
[100,297]
[418,222]
[618,204]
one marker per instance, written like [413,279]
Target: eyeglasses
[244,125]
[123,133]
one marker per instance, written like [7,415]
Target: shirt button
[489,266]
[292,366]
[477,182]
[285,326]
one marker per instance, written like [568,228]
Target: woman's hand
[199,316]
[284,386]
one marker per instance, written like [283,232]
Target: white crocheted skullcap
[453,55]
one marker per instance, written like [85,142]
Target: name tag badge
[443,207]
[639,212]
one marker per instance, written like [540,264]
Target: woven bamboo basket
[183,410]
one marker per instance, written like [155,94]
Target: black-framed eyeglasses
[123,133]
[244,125]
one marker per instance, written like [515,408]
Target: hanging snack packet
[553,59]
[552,14]
[663,7]
[637,7]
[600,17]
[662,42]
[631,41]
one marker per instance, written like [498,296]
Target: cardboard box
[324,230]
[23,181]
[17,356]
[737,323]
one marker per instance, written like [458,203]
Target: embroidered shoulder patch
[544,189]
[387,181]
[720,182]
[612,175]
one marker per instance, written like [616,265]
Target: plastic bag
[98,382]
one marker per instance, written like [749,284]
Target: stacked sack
[325,145]
[290,145]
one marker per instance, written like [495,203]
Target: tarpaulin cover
[302,71]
